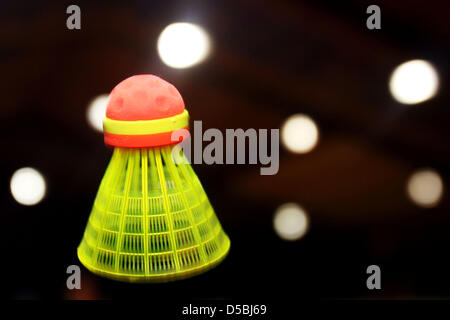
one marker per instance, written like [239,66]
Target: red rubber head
[144,97]
[143,101]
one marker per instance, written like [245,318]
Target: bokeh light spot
[28,186]
[425,188]
[290,222]
[182,45]
[299,133]
[413,82]
[96,111]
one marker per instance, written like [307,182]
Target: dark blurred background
[268,61]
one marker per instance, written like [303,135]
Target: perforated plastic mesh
[151,220]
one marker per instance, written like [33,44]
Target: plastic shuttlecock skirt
[151,220]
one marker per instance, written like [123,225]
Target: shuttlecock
[151,220]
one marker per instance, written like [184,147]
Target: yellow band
[146,126]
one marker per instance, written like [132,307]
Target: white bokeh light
[96,111]
[425,188]
[28,186]
[290,222]
[182,45]
[413,82]
[299,133]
